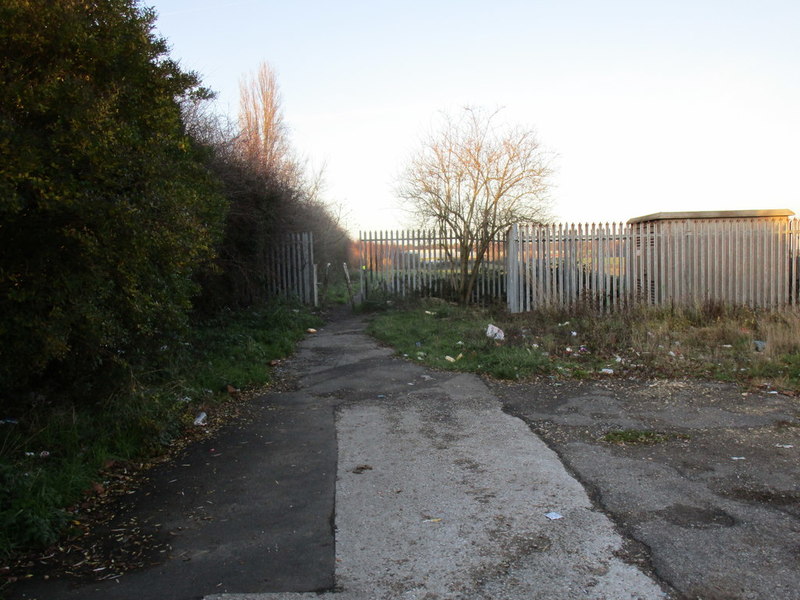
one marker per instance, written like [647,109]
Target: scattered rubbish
[671,353]
[618,358]
[726,346]
[554,515]
[737,457]
[42,454]
[361,468]
[418,344]
[436,520]
[568,349]
[564,324]
[274,362]
[495,333]
[381,395]
[772,392]
[583,350]
[427,312]
[760,346]
[784,445]
[607,371]
[201,419]
[185,399]
[9,422]
[574,333]
[311,330]
[427,377]
[449,359]
[459,343]
[232,390]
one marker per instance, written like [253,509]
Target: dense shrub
[105,208]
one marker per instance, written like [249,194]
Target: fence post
[512,269]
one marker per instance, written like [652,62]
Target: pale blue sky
[649,105]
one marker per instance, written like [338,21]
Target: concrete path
[374,479]
[441,495]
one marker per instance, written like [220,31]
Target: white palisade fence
[749,262]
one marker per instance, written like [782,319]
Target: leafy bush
[106,210]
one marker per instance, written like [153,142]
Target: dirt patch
[704,474]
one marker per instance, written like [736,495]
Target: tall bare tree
[472,179]
[263,139]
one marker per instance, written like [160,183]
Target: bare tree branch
[474,179]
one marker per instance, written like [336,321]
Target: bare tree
[263,139]
[472,179]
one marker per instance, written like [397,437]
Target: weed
[628,437]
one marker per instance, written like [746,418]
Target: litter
[607,371]
[574,333]
[311,330]
[449,359]
[554,515]
[437,520]
[201,419]
[495,333]
[760,346]
[427,312]
[737,457]
[381,395]
[9,422]
[784,445]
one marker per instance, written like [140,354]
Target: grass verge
[53,457]
[758,349]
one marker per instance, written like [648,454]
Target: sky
[644,106]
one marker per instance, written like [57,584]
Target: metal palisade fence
[292,272]
[751,262]
[424,263]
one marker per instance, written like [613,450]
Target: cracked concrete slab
[442,495]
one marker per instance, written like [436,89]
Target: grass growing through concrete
[51,457]
[630,437]
[758,349]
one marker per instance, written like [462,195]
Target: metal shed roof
[713,214]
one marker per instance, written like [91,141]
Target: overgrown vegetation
[729,344]
[134,230]
[51,455]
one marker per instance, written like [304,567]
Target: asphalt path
[374,478]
